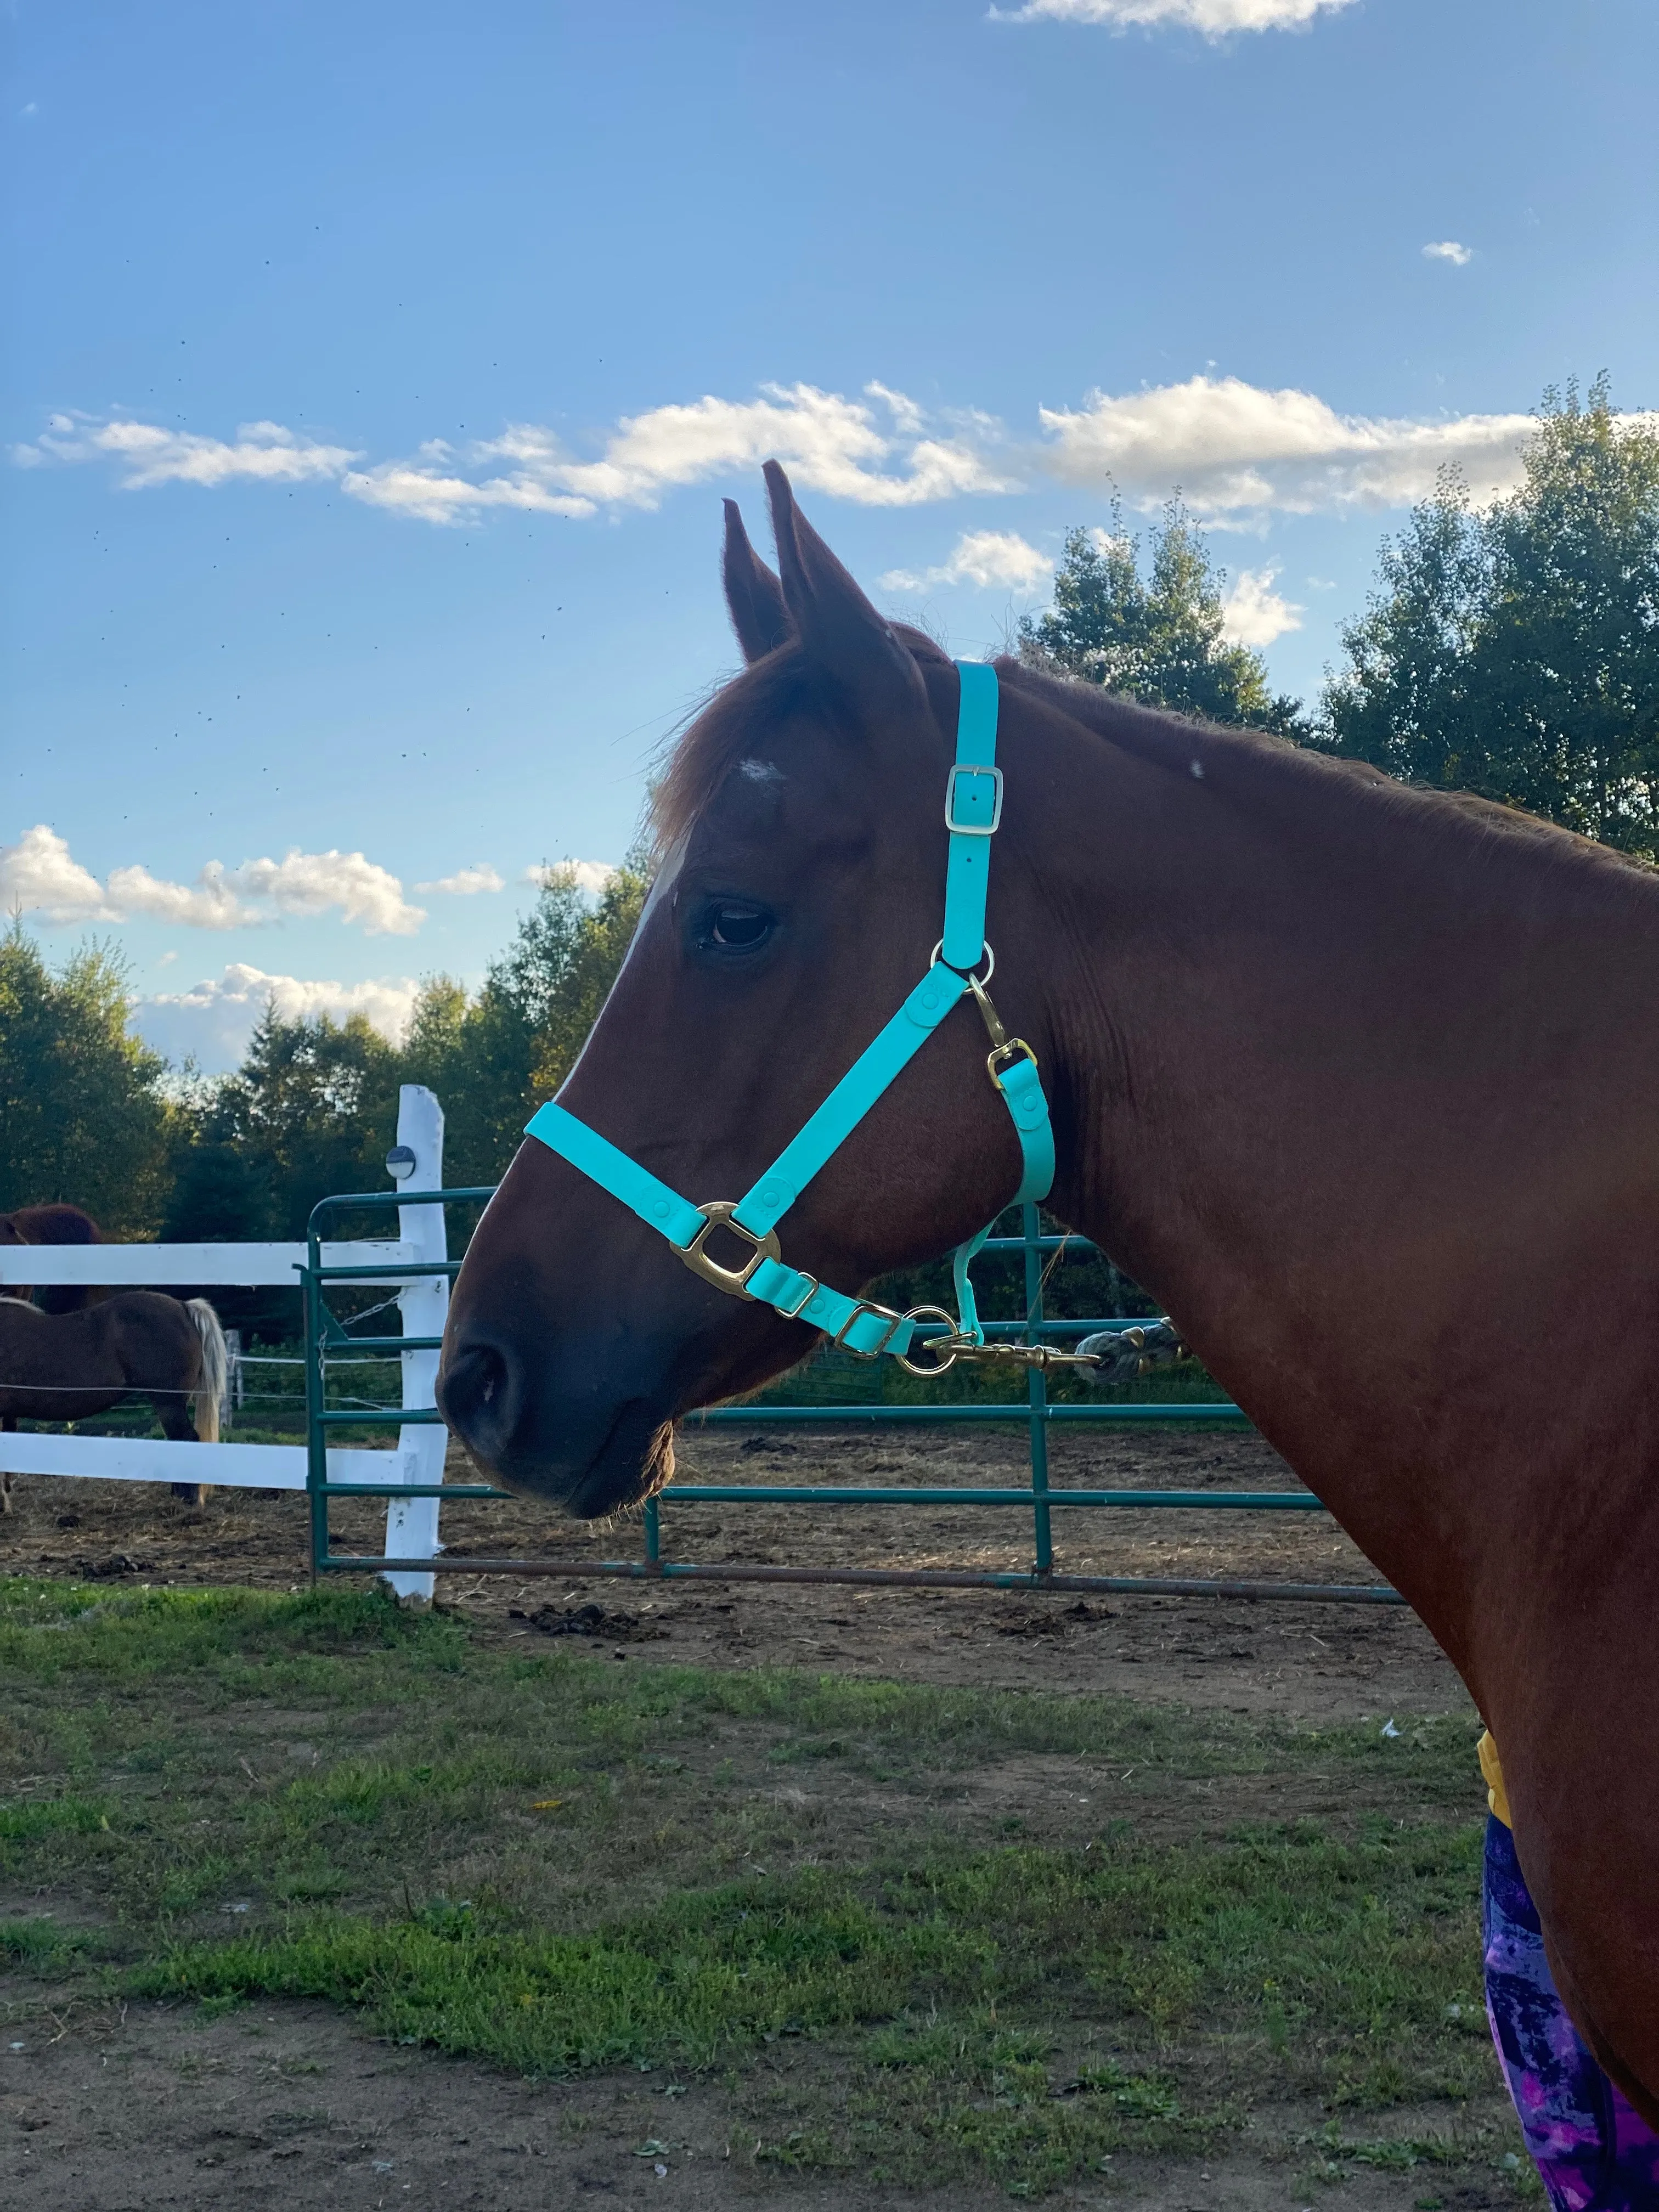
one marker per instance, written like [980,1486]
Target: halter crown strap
[973,810]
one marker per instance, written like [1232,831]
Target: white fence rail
[133,1266]
[411,1525]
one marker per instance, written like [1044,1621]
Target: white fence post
[411,1526]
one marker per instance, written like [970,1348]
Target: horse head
[796,899]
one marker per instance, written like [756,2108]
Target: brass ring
[941,1366]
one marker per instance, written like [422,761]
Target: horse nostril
[473,1394]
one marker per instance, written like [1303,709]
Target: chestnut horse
[52,1224]
[62,1367]
[1362,1083]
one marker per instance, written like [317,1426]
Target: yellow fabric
[1492,1771]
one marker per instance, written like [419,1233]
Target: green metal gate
[324,1334]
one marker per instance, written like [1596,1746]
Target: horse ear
[836,623]
[754,597]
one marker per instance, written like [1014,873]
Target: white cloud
[1237,449]
[213,1021]
[590,877]
[467,883]
[429,488]
[1253,612]
[1448,249]
[829,442]
[985,558]
[1213,18]
[147,454]
[39,875]
[879,450]
[311,883]
[211,903]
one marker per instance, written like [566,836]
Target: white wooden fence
[411,1525]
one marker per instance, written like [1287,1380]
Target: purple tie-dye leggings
[1593,2153]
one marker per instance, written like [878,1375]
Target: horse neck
[1332,1086]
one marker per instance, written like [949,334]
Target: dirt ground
[296,2105]
[1313,1661]
[294,2108]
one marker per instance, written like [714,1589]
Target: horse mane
[1155,735]
[743,711]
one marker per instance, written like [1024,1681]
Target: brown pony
[1361,1082]
[62,1367]
[52,1225]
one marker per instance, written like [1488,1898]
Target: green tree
[311,1110]
[1516,652]
[314,1104]
[493,1059]
[84,1103]
[220,1194]
[1159,637]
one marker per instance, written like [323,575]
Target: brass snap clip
[1005,1049]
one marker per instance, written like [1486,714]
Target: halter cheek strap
[973,810]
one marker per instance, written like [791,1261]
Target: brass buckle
[867,1306]
[972,829]
[717,1214]
[1000,1055]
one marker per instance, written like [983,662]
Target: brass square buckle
[972,829]
[866,1306]
[1004,1056]
[717,1214]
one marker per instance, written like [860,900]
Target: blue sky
[375,374]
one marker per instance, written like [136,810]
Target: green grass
[555,1863]
[1262,1937]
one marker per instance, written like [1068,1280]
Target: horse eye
[739,927]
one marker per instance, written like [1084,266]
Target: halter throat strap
[973,812]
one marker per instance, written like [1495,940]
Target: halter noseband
[973,810]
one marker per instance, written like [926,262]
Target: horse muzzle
[542,1426]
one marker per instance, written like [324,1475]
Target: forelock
[735,726]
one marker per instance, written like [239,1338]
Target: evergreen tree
[494,1058]
[82,1102]
[310,1111]
[1516,653]
[1158,638]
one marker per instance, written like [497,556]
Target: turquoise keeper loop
[973,810]
[1022,1094]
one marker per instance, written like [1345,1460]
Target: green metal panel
[1036,1415]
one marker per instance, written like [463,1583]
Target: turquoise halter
[973,810]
